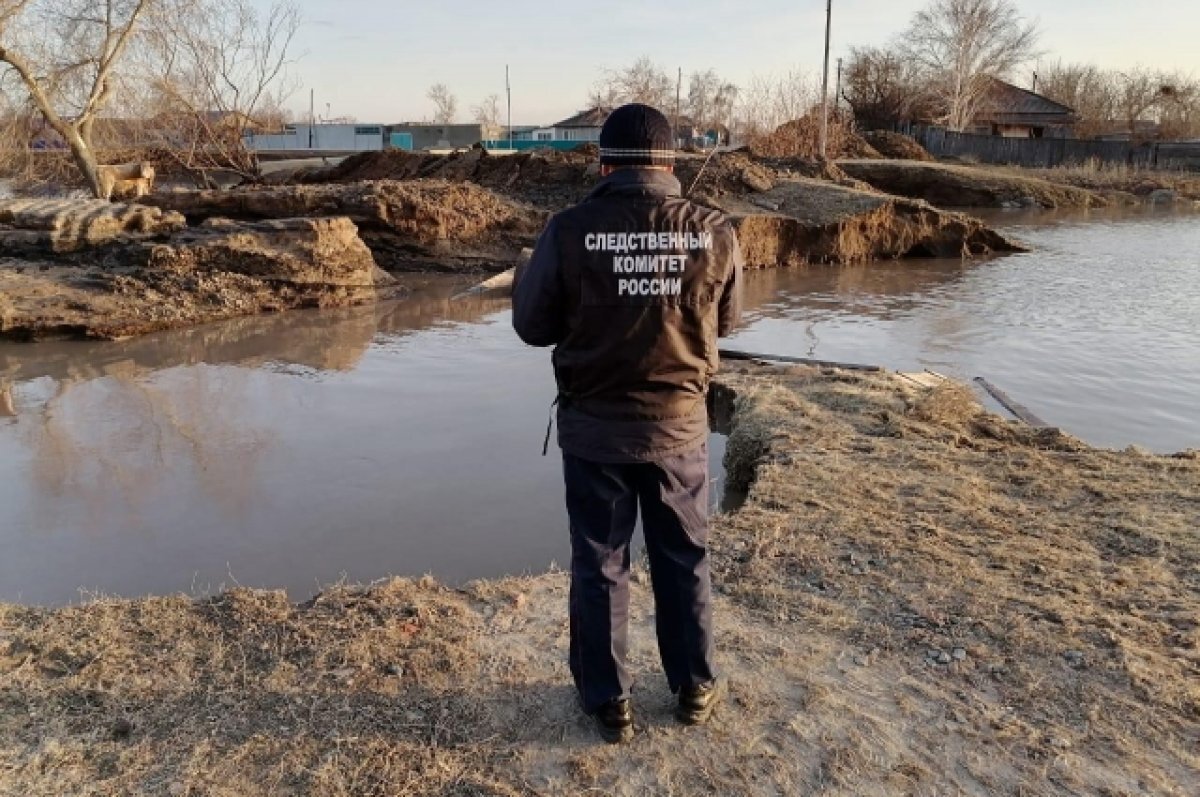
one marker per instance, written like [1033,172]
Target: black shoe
[696,702]
[614,720]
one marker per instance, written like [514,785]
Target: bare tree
[1088,91]
[710,100]
[64,55]
[445,104]
[702,90]
[724,102]
[883,87]
[961,45]
[216,69]
[487,113]
[643,81]
[1179,116]
[1109,100]
[772,100]
[1138,92]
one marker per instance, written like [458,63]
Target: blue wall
[522,146]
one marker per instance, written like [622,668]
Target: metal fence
[1050,152]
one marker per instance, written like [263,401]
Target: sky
[374,60]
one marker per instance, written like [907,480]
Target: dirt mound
[794,211]
[299,251]
[546,178]
[801,138]
[419,224]
[220,270]
[790,211]
[896,146]
[724,173]
[802,221]
[392,164]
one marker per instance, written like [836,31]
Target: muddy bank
[419,225]
[90,269]
[788,213]
[917,598]
[115,271]
[801,221]
[964,186]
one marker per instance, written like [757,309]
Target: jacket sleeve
[539,311]
[729,306]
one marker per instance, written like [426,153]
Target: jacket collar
[638,182]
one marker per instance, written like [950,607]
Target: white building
[323,137]
[580,128]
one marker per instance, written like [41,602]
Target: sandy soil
[918,598]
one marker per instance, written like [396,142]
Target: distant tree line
[1109,100]
[939,70]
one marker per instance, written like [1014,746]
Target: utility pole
[837,93]
[678,95]
[825,81]
[508,91]
[312,115]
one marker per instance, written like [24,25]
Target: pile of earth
[793,212]
[801,138]
[412,225]
[896,146]
[134,282]
[479,211]
[547,179]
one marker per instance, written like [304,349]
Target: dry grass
[886,526]
[1064,577]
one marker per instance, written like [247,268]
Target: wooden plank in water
[926,379]
[733,354]
[1019,410]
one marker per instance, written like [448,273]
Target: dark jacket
[632,286]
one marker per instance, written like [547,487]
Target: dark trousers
[602,503]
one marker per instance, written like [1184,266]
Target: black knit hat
[637,135]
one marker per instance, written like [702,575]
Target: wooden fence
[1049,152]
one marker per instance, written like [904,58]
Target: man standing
[632,287]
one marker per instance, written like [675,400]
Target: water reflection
[279,450]
[1095,330]
[328,340]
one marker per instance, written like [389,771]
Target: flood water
[295,450]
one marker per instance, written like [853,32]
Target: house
[580,128]
[1013,112]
